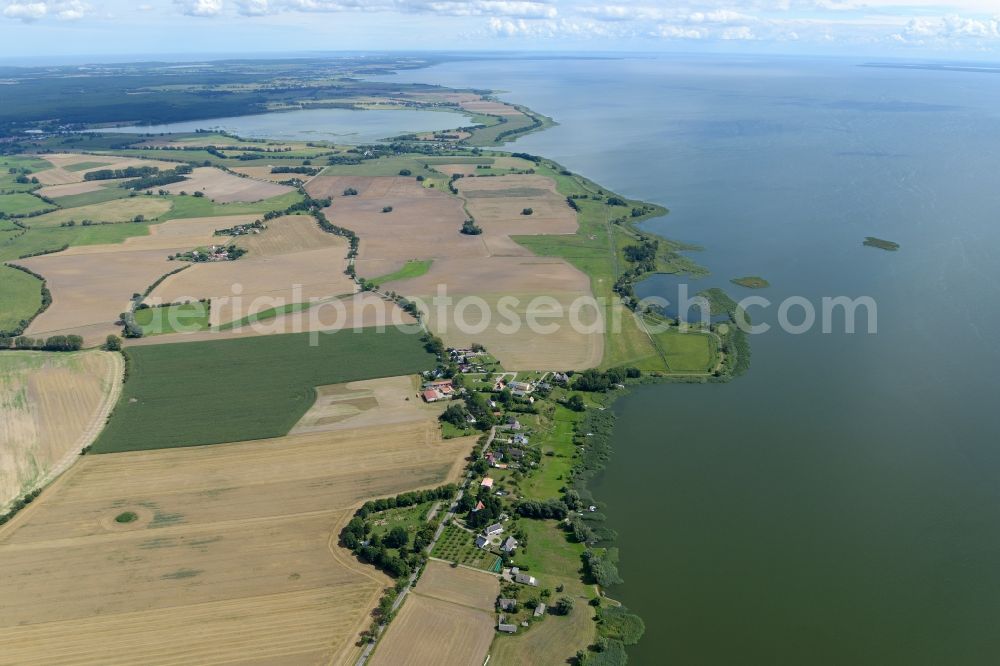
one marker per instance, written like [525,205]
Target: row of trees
[58,343]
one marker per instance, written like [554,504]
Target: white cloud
[741,33]
[253,7]
[534,9]
[26,11]
[949,30]
[669,31]
[64,10]
[200,7]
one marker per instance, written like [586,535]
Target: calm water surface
[841,503]
[340,125]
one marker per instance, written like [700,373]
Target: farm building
[539,610]
[506,628]
[523,578]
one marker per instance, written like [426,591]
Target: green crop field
[185,318]
[265,315]
[188,206]
[22,203]
[383,166]
[86,166]
[194,393]
[412,269]
[106,193]
[20,297]
[8,180]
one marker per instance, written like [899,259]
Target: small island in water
[751,282]
[881,244]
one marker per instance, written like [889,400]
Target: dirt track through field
[52,406]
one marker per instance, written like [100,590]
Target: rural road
[367,653]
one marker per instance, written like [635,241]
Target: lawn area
[450,431]
[688,352]
[185,318]
[189,206]
[411,518]
[20,296]
[458,545]
[194,393]
[412,269]
[22,203]
[553,472]
[549,555]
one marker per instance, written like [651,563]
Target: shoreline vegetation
[557,520]
[881,244]
[751,282]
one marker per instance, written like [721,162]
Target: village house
[493,530]
[442,389]
[509,546]
[487,483]
[481,541]
[505,627]
[507,604]
[522,578]
[539,610]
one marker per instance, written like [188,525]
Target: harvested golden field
[489,107]
[459,585]
[119,210]
[292,261]
[61,175]
[71,189]
[430,632]
[497,204]
[576,341]
[91,285]
[424,223]
[225,187]
[365,403]
[264,173]
[52,406]
[231,556]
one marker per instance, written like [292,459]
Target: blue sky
[959,29]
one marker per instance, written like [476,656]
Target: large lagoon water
[339,125]
[840,504]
